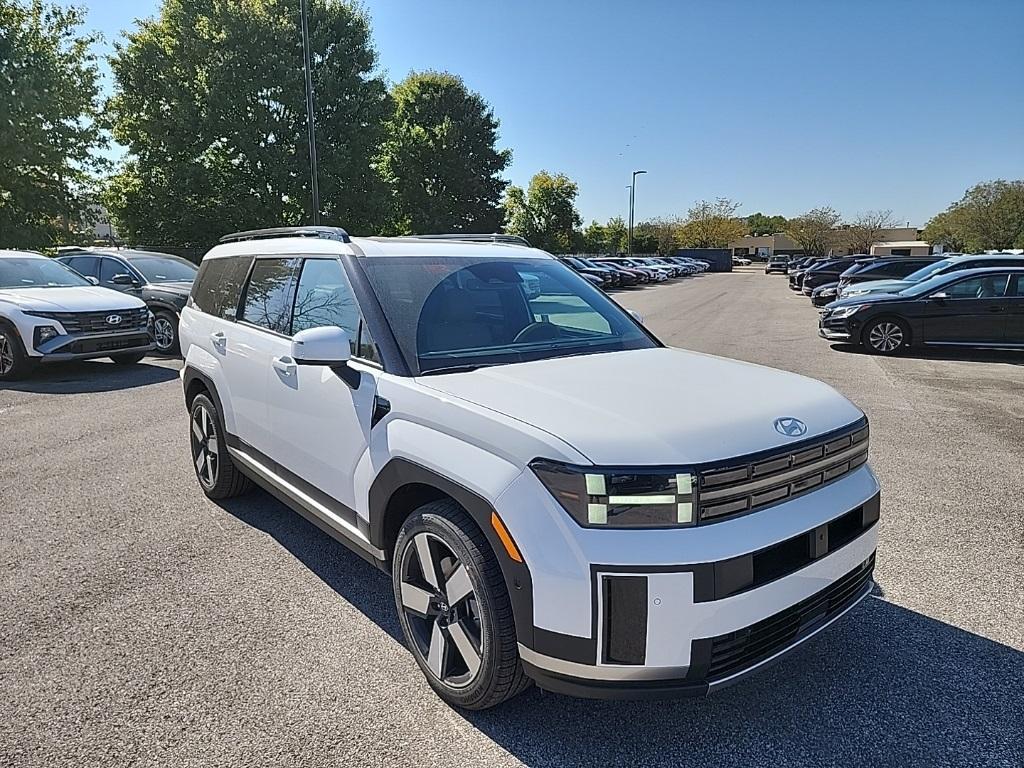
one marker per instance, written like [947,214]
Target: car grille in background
[96,322]
[725,492]
[735,651]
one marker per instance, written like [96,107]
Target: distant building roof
[903,244]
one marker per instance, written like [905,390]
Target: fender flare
[398,473]
[192,375]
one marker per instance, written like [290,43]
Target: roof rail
[325,233]
[474,238]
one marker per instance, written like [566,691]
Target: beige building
[897,239]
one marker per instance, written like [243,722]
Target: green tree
[593,239]
[440,157]
[990,216]
[867,229]
[616,234]
[760,224]
[210,103]
[545,213]
[49,108]
[814,231]
[712,224]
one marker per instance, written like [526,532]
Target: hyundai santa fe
[454,413]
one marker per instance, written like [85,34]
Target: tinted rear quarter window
[218,285]
[270,294]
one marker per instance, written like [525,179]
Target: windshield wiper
[454,369]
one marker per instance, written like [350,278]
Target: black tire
[482,618]
[886,336]
[130,358]
[216,472]
[14,362]
[165,320]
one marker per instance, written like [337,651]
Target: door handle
[219,339]
[284,364]
[995,309]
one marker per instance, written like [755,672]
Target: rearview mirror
[327,345]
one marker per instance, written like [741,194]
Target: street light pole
[310,124]
[632,196]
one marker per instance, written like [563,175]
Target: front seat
[449,322]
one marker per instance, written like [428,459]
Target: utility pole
[632,196]
[310,124]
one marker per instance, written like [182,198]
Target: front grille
[106,344]
[97,322]
[746,486]
[735,651]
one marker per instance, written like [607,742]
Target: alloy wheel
[886,336]
[6,355]
[163,333]
[205,447]
[441,610]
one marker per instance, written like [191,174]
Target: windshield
[925,286]
[927,271]
[37,273]
[461,313]
[165,269]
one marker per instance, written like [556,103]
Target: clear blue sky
[782,105]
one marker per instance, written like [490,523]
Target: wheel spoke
[426,557]
[212,447]
[465,646]
[458,585]
[197,431]
[438,651]
[200,460]
[206,422]
[415,599]
[209,468]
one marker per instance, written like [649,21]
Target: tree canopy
[440,158]
[759,224]
[990,216]
[711,224]
[545,213]
[49,108]
[813,231]
[866,229]
[210,102]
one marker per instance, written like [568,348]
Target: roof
[106,251]
[903,244]
[375,246]
[20,254]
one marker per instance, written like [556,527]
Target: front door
[1015,310]
[118,276]
[321,424]
[972,312]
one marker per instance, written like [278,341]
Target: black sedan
[971,308]
[161,280]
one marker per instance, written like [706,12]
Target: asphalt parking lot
[142,624]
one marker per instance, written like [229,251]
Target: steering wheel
[538,332]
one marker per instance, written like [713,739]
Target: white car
[50,313]
[424,404]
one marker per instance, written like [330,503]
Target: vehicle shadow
[90,376]
[885,686]
[1012,357]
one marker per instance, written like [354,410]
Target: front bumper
[85,347]
[842,329]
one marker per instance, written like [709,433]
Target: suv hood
[653,406]
[85,298]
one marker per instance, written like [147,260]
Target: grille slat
[132,320]
[734,490]
[735,651]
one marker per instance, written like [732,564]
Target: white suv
[557,496]
[50,313]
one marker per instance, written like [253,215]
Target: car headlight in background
[42,334]
[827,292]
[601,498]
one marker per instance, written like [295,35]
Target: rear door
[261,335]
[321,424]
[84,265]
[974,311]
[1015,310]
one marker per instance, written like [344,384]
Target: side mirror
[940,296]
[92,280]
[328,345]
[636,316]
[123,279]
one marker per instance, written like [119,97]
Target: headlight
[602,498]
[855,293]
[43,334]
[827,292]
[841,312]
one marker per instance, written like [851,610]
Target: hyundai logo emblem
[790,427]
[113,319]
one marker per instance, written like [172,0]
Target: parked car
[777,264]
[884,268]
[655,275]
[824,294]
[49,313]
[159,279]
[824,272]
[941,267]
[628,277]
[972,307]
[604,277]
[417,404]
[796,274]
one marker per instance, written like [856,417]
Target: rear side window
[270,294]
[218,285]
[83,265]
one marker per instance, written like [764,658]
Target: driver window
[109,268]
[983,287]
